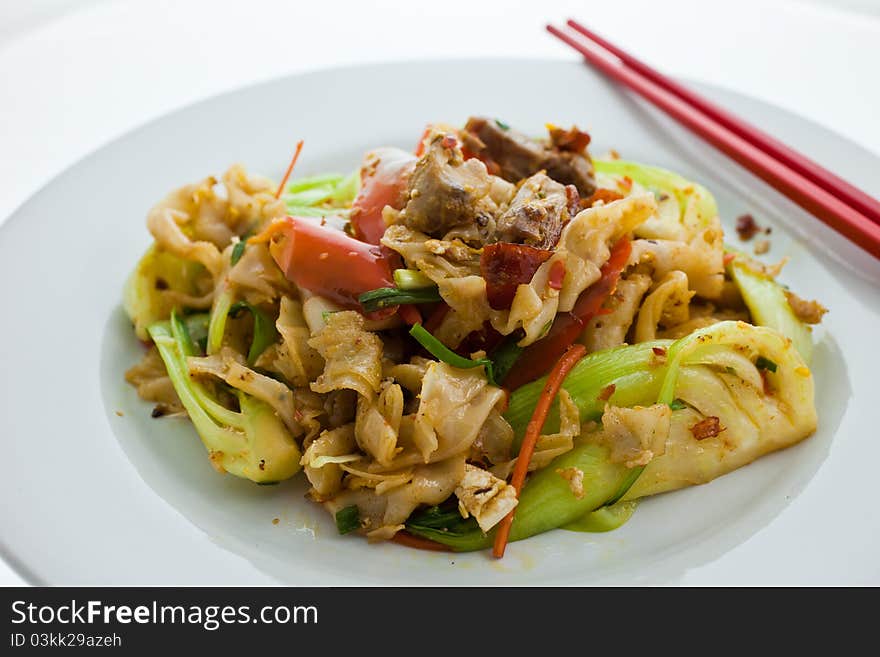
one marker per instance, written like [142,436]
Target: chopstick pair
[828,197]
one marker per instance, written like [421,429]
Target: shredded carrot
[554,381]
[299,147]
[266,235]
[410,314]
[404,538]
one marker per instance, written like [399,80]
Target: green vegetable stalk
[253,442]
[547,502]
[319,196]
[661,180]
[768,305]
[635,371]
[604,519]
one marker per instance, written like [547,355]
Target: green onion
[412,279]
[765,364]
[237,252]
[265,333]
[385,297]
[348,519]
[441,352]
[677,405]
[217,326]
[505,356]
[501,124]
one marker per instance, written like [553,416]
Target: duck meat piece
[515,156]
[446,191]
[537,213]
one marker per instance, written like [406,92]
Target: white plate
[94,497]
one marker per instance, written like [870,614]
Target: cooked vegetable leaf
[505,356]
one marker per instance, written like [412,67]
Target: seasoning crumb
[120,413]
[707,428]
[606,392]
[614,154]
[275,521]
[746,227]
[575,479]
[762,246]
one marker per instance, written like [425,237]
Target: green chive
[441,352]
[348,519]
[765,364]
[265,333]
[237,252]
[385,297]
[505,355]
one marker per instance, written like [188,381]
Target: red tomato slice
[328,262]
[384,179]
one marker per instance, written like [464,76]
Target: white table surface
[75,74]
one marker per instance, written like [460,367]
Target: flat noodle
[606,331]
[667,304]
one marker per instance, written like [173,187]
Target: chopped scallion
[237,252]
[411,279]
[385,297]
[348,519]
[765,364]
[441,352]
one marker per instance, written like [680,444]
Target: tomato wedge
[384,178]
[326,261]
[540,356]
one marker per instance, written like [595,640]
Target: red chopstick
[830,182]
[825,205]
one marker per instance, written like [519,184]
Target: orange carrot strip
[403,538]
[569,359]
[299,147]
